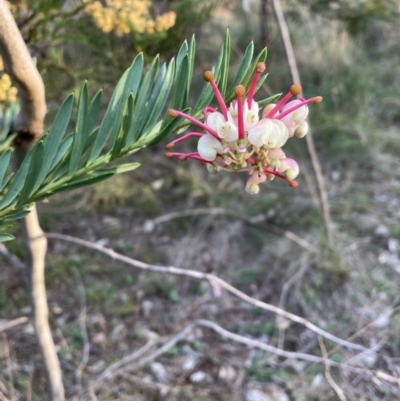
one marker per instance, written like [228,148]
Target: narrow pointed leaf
[181,91]
[268,100]
[6,237]
[6,181]
[53,139]
[192,54]
[93,112]
[80,127]
[4,163]
[127,120]
[241,73]
[85,182]
[224,69]
[19,214]
[182,53]
[17,183]
[262,56]
[207,93]
[128,83]
[33,173]
[141,101]
[62,151]
[159,97]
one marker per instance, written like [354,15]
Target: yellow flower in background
[8,93]
[126,16]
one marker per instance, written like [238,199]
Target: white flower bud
[301,130]
[290,168]
[279,135]
[225,129]
[208,147]
[260,133]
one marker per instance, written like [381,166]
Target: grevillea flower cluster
[236,139]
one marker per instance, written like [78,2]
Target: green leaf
[123,168]
[127,121]
[19,214]
[141,101]
[268,100]
[62,151]
[159,133]
[4,163]
[85,181]
[159,97]
[192,54]
[33,173]
[261,57]
[207,93]
[17,183]
[80,130]
[183,51]
[223,71]
[6,237]
[53,139]
[5,182]
[128,83]
[179,98]
[241,73]
[93,112]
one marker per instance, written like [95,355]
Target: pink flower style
[235,139]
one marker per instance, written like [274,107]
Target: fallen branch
[336,388]
[12,323]
[13,260]
[214,281]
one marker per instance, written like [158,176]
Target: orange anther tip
[169,147]
[208,76]
[318,99]
[168,155]
[240,90]
[172,113]
[295,89]
[293,184]
[260,67]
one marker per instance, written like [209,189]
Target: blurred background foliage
[76,39]
[349,53]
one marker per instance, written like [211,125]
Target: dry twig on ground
[214,281]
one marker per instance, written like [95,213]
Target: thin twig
[12,323]
[109,372]
[154,355]
[83,329]
[3,397]
[384,376]
[162,388]
[284,30]
[18,264]
[254,220]
[304,265]
[9,365]
[328,376]
[214,280]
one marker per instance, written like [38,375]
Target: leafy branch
[135,118]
